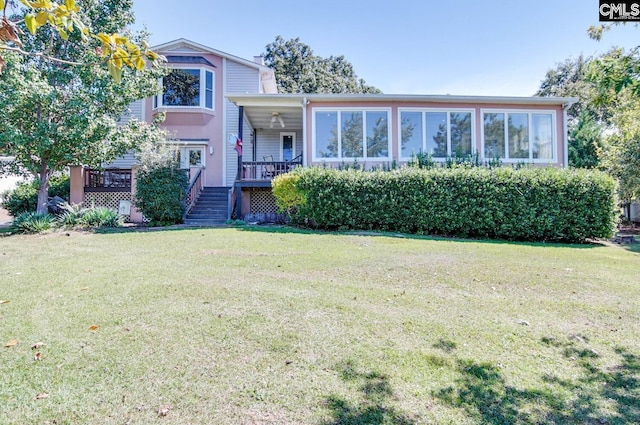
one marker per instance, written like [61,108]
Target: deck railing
[267,170]
[108,180]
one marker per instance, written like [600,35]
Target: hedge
[529,204]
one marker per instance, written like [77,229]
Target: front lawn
[274,326]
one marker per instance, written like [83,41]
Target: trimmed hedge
[530,204]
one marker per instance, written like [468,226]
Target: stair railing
[193,192]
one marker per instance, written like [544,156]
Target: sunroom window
[440,134]
[351,134]
[187,87]
[519,136]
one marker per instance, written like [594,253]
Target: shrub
[101,217]
[24,197]
[532,204]
[32,222]
[160,194]
[286,191]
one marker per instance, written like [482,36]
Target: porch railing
[193,191]
[108,180]
[267,170]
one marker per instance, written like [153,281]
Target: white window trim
[203,89]
[471,111]
[340,158]
[531,113]
[293,144]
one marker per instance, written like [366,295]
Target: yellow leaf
[41,17]
[4,301]
[41,396]
[63,34]
[93,327]
[71,4]
[37,345]
[140,63]
[12,343]
[30,22]
[2,4]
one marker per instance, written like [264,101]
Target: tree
[298,70]
[56,113]
[65,18]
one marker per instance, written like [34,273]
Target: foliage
[32,222]
[298,70]
[161,186]
[55,115]
[585,142]
[532,204]
[24,197]
[286,191]
[97,217]
[68,20]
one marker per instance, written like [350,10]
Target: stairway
[210,209]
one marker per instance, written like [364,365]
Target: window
[185,87]
[351,134]
[438,133]
[519,135]
[191,156]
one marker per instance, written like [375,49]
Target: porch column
[135,215]
[76,185]
[239,173]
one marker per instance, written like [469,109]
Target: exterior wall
[239,78]
[477,110]
[269,143]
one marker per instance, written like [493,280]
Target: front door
[287,146]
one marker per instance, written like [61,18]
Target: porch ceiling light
[275,116]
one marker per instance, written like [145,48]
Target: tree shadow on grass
[373,409]
[600,395]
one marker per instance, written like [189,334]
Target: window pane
[208,102]
[493,136]
[351,131]
[437,134]
[411,124]
[287,148]
[460,134]
[377,134]
[542,136]
[326,134]
[181,88]
[518,135]
[195,157]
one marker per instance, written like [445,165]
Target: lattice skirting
[262,201]
[105,199]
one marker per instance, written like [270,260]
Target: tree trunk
[43,190]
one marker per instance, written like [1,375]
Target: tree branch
[44,56]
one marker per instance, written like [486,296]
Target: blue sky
[459,47]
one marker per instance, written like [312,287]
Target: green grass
[274,326]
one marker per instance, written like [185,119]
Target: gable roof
[182,45]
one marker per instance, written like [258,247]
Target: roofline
[161,47]
[246,99]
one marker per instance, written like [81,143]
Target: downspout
[565,132]
[305,102]
[239,173]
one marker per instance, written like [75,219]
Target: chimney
[259,60]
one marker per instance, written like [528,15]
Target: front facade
[235,129]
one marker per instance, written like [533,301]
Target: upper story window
[351,134]
[439,133]
[187,88]
[519,135]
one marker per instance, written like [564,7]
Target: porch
[261,173]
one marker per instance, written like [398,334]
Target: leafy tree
[585,141]
[298,70]
[55,114]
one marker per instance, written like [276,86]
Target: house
[235,132]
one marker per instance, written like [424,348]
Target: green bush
[160,194]
[286,191]
[98,217]
[531,204]
[32,222]
[24,197]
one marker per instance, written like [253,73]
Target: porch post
[239,173]
[76,183]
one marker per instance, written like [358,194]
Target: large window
[351,134]
[519,135]
[186,87]
[438,133]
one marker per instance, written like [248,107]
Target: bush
[286,191]
[32,222]
[98,217]
[530,204]
[160,194]
[24,197]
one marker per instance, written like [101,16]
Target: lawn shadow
[374,408]
[600,395]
